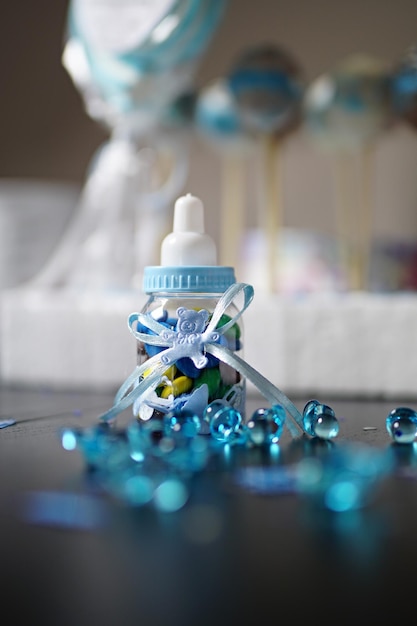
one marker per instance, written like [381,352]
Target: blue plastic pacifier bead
[401,425]
[182,424]
[224,423]
[266,425]
[319,420]
[212,408]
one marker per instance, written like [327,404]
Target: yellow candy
[180,385]
[147,372]
[170,372]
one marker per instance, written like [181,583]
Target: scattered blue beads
[151,462]
[266,425]
[401,425]
[319,420]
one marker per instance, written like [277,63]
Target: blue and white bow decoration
[191,341]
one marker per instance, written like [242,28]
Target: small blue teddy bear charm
[188,338]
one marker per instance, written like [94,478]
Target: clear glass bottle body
[183,385]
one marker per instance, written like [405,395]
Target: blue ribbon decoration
[206,342]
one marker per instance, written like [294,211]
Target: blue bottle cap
[188,279]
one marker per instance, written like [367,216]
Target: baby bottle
[183,293]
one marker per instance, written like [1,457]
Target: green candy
[234,331]
[210,377]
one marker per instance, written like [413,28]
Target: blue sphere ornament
[401,425]
[181,424]
[266,425]
[404,87]
[217,118]
[350,105]
[225,423]
[319,420]
[268,90]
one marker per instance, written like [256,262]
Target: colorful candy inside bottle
[183,384]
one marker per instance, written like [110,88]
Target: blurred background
[46,134]
[283,205]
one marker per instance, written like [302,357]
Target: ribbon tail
[267,389]
[126,395]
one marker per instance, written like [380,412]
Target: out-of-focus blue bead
[240,436]
[130,486]
[266,425]
[138,489]
[343,479]
[181,424]
[319,420]
[186,459]
[224,423]
[70,438]
[139,440]
[170,495]
[401,425]
[95,444]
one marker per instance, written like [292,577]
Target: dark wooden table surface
[229,555]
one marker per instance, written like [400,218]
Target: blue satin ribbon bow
[206,342]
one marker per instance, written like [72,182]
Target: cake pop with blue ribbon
[267,86]
[218,124]
[346,111]
[404,87]
[348,106]
[218,120]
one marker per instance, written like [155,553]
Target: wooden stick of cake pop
[232,209]
[343,212]
[347,110]
[272,204]
[353,191]
[366,212]
[266,86]
[218,122]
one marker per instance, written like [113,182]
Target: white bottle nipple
[188,245]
